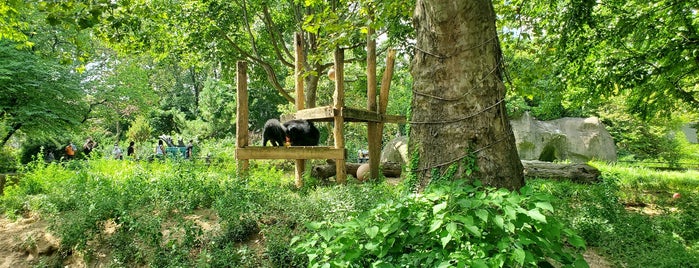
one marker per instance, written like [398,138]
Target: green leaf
[536,215]
[372,231]
[499,221]
[482,214]
[473,230]
[544,205]
[436,224]
[518,256]
[444,264]
[479,264]
[581,263]
[445,240]
[314,225]
[451,227]
[371,245]
[576,241]
[439,207]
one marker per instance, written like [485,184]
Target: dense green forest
[133,70]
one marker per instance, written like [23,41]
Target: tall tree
[39,96]
[458,107]
[647,52]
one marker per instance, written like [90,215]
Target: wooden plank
[323,113]
[327,114]
[242,111]
[396,119]
[293,152]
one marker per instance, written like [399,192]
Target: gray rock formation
[396,151]
[576,139]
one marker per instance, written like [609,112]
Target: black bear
[302,133]
[274,132]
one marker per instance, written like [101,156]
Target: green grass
[631,217]
[152,213]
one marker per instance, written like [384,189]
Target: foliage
[40,97]
[140,130]
[165,122]
[449,224]
[9,160]
[218,107]
[645,52]
[637,139]
[612,216]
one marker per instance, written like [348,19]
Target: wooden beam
[242,112]
[327,114]
[293,152]
[386,80]
[383,95]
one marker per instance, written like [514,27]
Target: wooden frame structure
[336,113]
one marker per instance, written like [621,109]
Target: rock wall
[576,139]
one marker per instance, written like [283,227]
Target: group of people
[161,152]
[117,153]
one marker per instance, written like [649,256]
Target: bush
[450,223]
[9,160]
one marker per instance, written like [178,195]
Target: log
[580,173]
[576,172]
[326,171]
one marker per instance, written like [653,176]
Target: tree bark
[580,173]
[458,106]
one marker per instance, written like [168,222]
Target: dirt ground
[24,241]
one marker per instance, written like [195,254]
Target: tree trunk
[326,171]
[458,106]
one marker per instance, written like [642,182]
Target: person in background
[160,150]
[190,147]
[70,151]
[131,151]
[88,146]
[116,152]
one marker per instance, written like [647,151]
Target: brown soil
[23,242]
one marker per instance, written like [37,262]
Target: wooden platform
[328,113]
[293,152]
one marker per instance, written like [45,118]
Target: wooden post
[373,134]
[386,84]
[242,112]
[300,98]
[386,80]
[339,120]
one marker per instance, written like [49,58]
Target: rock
[396,151]
[576,139]
[690,132]
[363,172]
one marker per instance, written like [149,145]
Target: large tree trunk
[458,95]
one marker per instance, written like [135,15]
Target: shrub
[450,224]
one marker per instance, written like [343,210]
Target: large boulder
[576,139]
[690,132]
[395,151]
